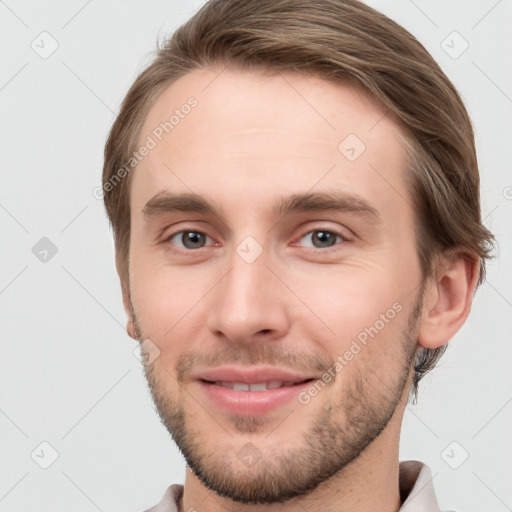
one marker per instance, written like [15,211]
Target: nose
[249,303]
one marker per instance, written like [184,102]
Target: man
[294,194]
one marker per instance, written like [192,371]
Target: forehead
[229,133]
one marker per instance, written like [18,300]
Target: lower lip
[251,402]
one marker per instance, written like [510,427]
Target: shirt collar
[417,488]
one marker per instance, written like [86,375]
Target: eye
[189,240]
[322,238]
[193,240]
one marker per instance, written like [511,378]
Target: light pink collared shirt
[416,489]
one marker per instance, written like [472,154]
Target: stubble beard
[339,434]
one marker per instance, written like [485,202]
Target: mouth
[251,391]
[257,386]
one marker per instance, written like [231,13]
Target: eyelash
[317,230]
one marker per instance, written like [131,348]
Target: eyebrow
[164,202]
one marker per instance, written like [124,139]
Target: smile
[258,386]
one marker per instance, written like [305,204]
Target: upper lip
[251,375]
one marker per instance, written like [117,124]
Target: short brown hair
[342,41]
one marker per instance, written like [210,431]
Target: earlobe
[449,299]
[130,327]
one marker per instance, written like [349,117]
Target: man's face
[329,296]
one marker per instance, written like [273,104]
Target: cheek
[365,310]
[166,299]
[352,298]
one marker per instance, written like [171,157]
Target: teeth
[240,386]
[259,386]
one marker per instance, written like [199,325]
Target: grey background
[68,373]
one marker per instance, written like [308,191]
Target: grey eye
[322,238]
[189,239]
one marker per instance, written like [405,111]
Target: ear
[448,299]
[130,327]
